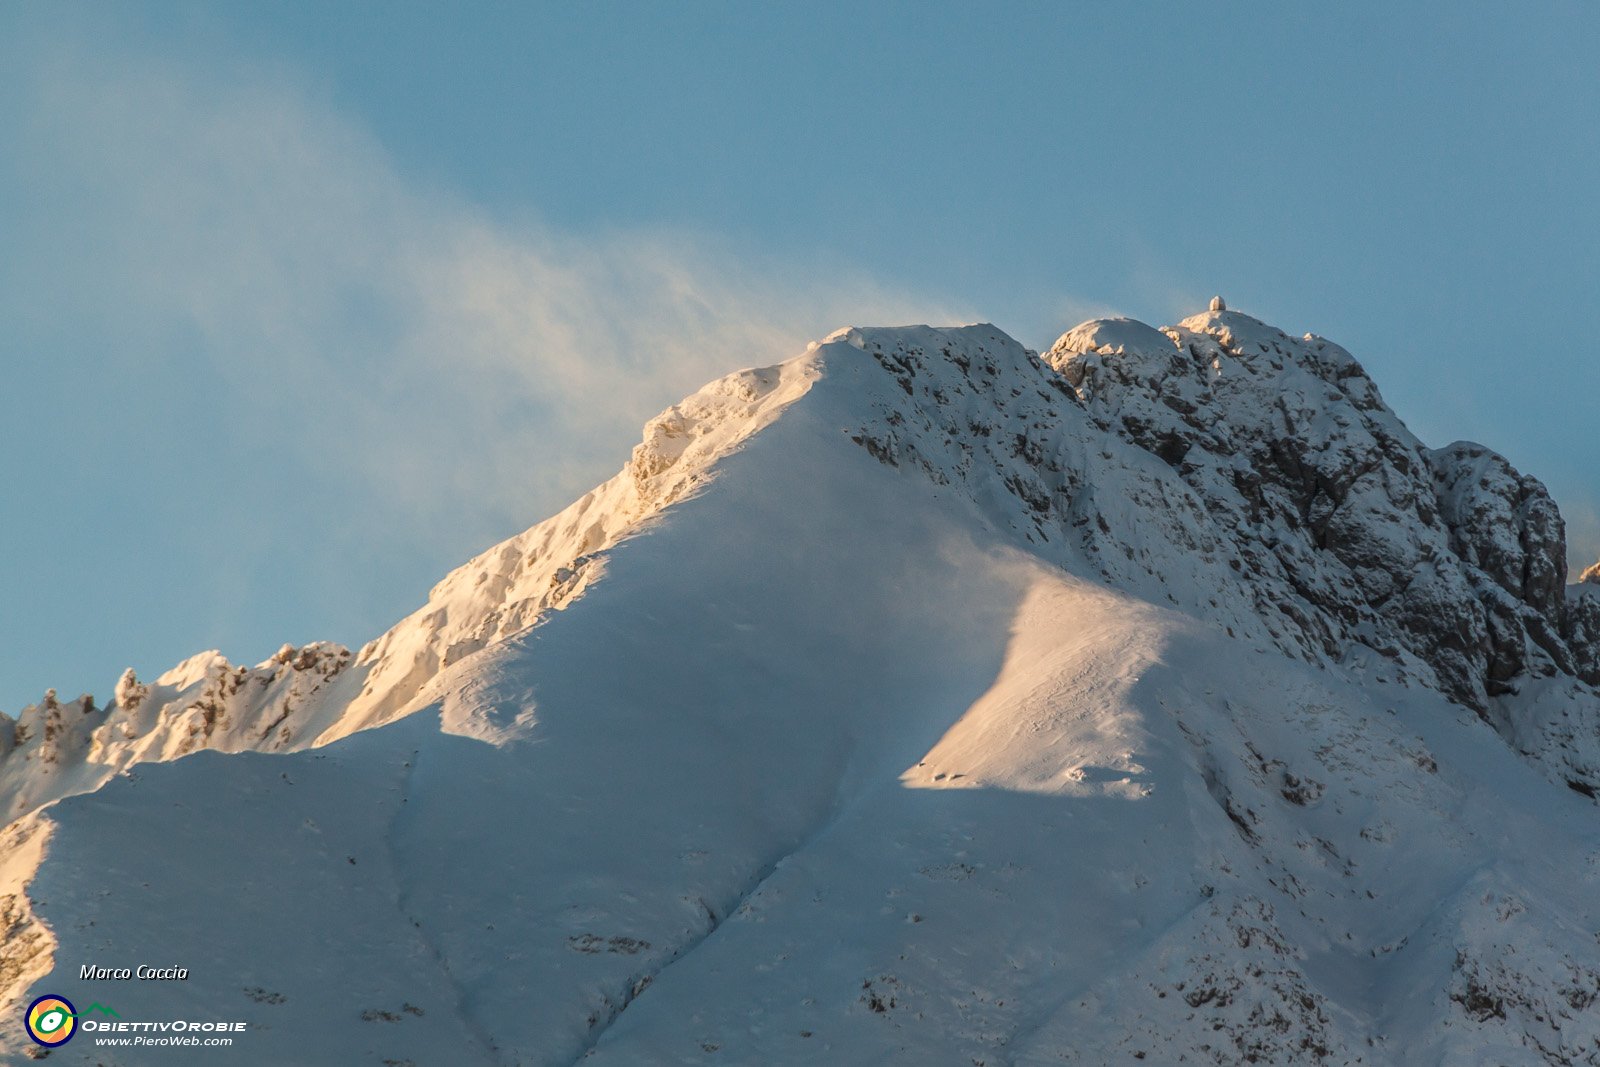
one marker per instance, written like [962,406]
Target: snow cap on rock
[1080,348]
[1116,336]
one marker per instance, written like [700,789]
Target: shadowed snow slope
[916,701]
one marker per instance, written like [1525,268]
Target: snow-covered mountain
[917,700]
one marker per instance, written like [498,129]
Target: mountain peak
[1267,732]
[1242,334]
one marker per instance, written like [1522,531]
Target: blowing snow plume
[251,292]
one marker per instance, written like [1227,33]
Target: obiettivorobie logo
[52,1020]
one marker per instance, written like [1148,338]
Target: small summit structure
[1218,304]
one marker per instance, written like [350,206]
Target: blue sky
[303,304]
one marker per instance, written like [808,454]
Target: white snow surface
[918,700]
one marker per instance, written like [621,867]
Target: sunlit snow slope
[920,700]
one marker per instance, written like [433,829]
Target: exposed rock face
[1508,532]
[1326,500]
[1503,523]
[1357,534]
[1583,625]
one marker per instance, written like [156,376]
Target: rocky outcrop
[1583,625]
[1509,535]
[57,747]
[1269,489]
[1331,504]
[1451,554]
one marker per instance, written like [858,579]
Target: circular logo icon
[51,1020]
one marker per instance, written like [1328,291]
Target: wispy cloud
[457,367]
